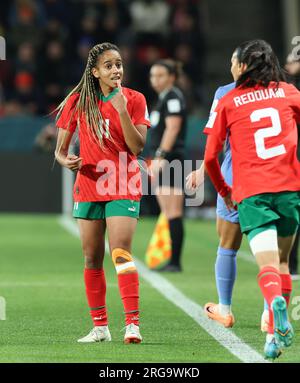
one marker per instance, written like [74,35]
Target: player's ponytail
[87,103]
[262,64]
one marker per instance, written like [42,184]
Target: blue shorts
[222,211]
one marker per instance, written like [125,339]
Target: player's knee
[123,261]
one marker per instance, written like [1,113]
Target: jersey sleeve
[212,166]
[214,104]
[293,95]
[68,119]
[174,106]
[140,115]
[217,122]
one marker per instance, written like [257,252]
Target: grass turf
[41,279]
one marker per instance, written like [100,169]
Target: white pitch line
[225,337]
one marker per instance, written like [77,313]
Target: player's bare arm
[62,156]
[173,126]
[214,146]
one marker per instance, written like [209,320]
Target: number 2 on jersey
[263,133]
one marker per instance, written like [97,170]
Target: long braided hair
[87,102]
[262,64]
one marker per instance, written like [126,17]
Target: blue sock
[225,271]
[266,306]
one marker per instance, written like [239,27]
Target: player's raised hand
[119,101]
[195,179]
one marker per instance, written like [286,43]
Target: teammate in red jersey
[260,114]
[112,123]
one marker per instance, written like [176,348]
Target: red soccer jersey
[261,123]
[111,173]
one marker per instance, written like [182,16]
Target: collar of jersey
[108,97]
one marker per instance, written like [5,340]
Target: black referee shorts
[172,174]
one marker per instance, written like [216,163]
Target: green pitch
[41,280]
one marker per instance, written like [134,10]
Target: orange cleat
[212,312]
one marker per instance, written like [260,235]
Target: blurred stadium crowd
[48,43]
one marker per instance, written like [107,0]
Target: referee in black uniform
[167,133]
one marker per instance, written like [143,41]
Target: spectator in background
[25,94]
[150,20]
[115,20]
[53,74]
[26,60]
[24,26]
[292,66]
[190,66]
[55,30]
[187,41]
[5,6]
[78,64]
[185,27]
[89,26]
[60,10]
[45,32]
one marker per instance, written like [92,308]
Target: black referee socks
[177,234]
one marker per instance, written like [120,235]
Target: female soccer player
[112,123]
[168,122]
[228,230]
[230,237]
[260,114]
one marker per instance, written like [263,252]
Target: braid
[87,103]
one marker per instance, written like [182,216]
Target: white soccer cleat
[97,334]
[132,334]
[264,323]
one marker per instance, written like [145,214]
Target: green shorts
[104,209]
[280,209]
